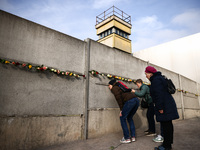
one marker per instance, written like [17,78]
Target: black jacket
[163,99]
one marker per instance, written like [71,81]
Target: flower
[41,69]
[66,73]
[45,68]
[58,71]
[83,76]
[29,66]
[23,65]
[7,62]
[13,63]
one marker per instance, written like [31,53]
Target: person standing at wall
[128,104]
[165,106]
[145,92]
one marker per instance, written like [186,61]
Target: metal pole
[182,101]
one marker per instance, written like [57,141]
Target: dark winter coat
[120,96]
[163,99]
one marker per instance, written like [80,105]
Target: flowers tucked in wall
[41,68]
[110,76]
[185,92]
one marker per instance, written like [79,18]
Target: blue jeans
[129,109]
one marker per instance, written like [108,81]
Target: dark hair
[139,81]
[112,81]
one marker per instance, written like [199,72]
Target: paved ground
[186,137]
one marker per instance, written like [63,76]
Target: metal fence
[113,11]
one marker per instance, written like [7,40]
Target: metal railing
[113,11]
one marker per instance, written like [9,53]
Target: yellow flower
[120,78]
[29,66]
[7,62]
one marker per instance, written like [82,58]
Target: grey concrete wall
[108,60]
[41,108]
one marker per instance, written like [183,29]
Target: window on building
[106,33]
[114,30]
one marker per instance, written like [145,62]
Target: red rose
[23,65]
[17,63]
[44,68]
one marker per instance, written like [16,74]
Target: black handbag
[144,104]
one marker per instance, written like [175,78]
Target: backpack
[123,87]
[170,85]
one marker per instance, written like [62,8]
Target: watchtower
[113,28]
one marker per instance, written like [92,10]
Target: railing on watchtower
[113,11]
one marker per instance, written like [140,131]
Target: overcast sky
[153,21]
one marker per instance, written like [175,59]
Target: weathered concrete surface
[26,41]
[102,122]
[34,132]
[33,93]
[186,137]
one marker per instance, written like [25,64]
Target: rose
[45,68]
[23,65]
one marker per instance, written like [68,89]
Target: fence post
[182,101]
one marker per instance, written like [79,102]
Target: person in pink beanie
[165,106]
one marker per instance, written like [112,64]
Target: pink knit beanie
[150,69]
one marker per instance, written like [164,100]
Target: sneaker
[158,139]
[133,139]
[125,141]
[150,134]
[162,148]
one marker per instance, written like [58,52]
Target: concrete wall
[41,108]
